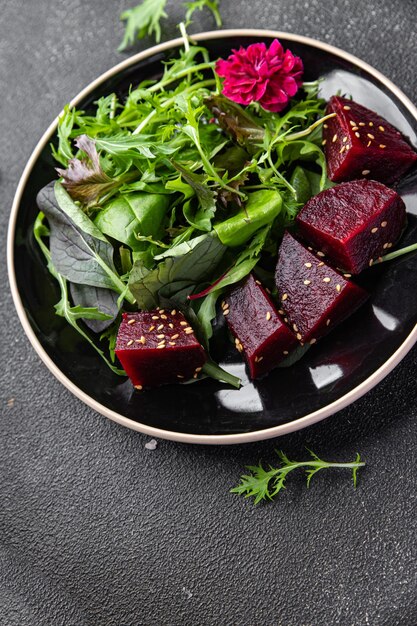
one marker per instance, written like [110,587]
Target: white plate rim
[235,438]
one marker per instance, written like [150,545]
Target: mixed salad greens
[171,194]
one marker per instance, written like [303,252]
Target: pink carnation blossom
[270,76]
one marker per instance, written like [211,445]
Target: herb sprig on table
[266,484]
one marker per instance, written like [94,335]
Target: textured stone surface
[97,530]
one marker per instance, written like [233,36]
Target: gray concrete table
[97,530]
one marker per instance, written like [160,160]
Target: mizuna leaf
[141,20]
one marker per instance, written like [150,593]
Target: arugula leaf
[199,5]
[141,20]
[200,219]
[79,251]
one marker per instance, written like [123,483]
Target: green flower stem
[307,131]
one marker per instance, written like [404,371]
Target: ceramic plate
[334,373]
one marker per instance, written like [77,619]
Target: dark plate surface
[336,366]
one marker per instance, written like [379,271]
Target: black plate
[332,374]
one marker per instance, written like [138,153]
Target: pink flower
[270,76]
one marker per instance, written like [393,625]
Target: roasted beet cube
[353,223]
[260,334]
[313,295]
[158,347]
[359,143]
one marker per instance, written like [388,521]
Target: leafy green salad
[172,193]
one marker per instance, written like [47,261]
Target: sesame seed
[352,123]
[172,343]
[164,317]
[323,143]
[334,138]
[224,304]
[285,352]
[355,127]
[345,139]
[382,129]
[325,126]
[259,359]
[280,311]
[309,248]
[268,316]
[347,275]
[161,310]
[313,341]
[342,149]
[326,279]
[382,146]
[160,346]
[188,331]
[365,172]
[346,107]
[268,290]
[308,265]
[142,340]
[295,328]
[138,387]
[362,124]
[173,312]
[155,317]
[160,336]
[299,337]
[371,262]
[338,288]
[383,224]
[286,320]
[320,264]
[328,322]
[198,369]
[370,136]
[175,336]
[160,327]
[184,323]
[151,328]
[132,321]
[258,282]
[371,123]
[129,343]
[385,246]
[180,376]
[320,254]
[226,312]
[368,144]
[195,375]
[357,134]
[171,325]
[307,282]
[390,245]
[284,297]
[374,230]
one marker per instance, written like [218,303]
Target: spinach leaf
[84,298]
[79,251]
[176,272]
[63,308]
[200,219]
[261,208]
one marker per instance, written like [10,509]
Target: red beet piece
[158,347]
[353,223]
[260,334]
[359,143]
[313,295]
